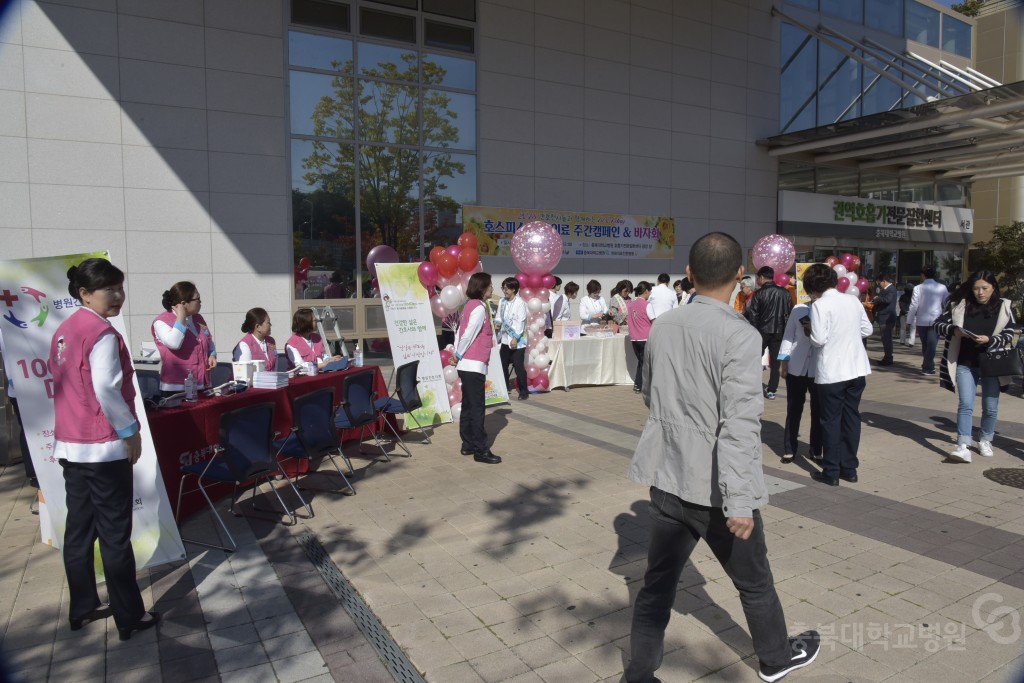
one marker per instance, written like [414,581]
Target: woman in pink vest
[184,340]
[305,345]
[257,344]
[639,329]
[472,351]
[97,442]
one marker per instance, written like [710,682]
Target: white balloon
[853,290]
[450,374]
[533,305]
[852,277]
[456,412]
[542,360]
[451,297]
[839,268]
[545,307]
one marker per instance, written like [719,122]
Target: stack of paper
[269,380]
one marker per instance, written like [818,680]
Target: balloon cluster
[446,275]
[536,250]
[452,382]
[846,266]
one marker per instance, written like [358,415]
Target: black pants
[840,425]
[26,456]
[517,358]
[772,342]
[885,330]
[471,424]
[797,388]
[99,500]
[676,526]
[638,349]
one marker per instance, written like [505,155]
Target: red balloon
[447,265]
[446,357]
[534,281]
[467,240]
[304,263]
[831,261]
[454,250]
[843,284]
[855,262]
[548,281]
[782,279]
[428,274]
[435,254]
[522,279]
[862,284]
[542,381]
[468,258]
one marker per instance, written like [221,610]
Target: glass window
[793,176]
[922,23]
[393,63]
[319,52]
[880,94]
[812,4]
[879,186]
[798,81]
[460,9]
[840,86]
[850,10]
[322,13]
[449,119]
[387,25]
[407,4]
[951,194]
[388,112]
[837,181]
[450,72]
[389,198]
[447,36]
[916,190]
[956,36]
[321,105]
[885,15]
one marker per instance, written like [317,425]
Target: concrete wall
[155,130]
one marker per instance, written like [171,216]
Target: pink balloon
[454,250]
[464,277]
[843,284]
[478,268]
[446,357]
[526,293]
[437,307]
[522,277]
[381,253]
[532,371]
[457,384]
[782,279]
[374,284]
[536,248]
[847,260]
[534,281]
[548,281]
[456,394]
[774,251]
[862,284]
[428,274]
[542,381]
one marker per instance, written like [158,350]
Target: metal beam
[958,134]
[963,172]
[967,160]
[949,153]
[945,79]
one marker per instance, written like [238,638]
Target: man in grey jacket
[700,452]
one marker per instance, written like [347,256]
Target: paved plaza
[525,571]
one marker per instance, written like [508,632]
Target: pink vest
[639,323]
[257,351]
[311,351]
[77,414]
[191,355]
[480,348]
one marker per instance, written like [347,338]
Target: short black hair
[883,276]
[478,284]
[92,274]
[663,279]
[558,281]
[179,292]
[593,287]
[641,287]
[714,260]
[767,272]
[510,283]
[254,317]
[303,321]
[686,284]
[928,272]
[818,278]
[571,288]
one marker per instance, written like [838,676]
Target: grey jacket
[702,382]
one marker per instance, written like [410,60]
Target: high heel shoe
[95,615]
[141,625]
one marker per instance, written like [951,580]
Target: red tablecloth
[188,434]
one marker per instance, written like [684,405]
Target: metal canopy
[975,136]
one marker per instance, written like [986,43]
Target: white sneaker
[962,453]
[986,448]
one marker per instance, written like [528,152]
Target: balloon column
[536,250]
[845,267]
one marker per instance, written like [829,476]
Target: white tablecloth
[589,360]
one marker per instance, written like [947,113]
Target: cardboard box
[565,329]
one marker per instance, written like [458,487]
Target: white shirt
[591,308]
[296,356]
[927,302]
[245,353]
[662,300]
[838,322]
[511,319]
[172,337]
[796,346]
[466,335]
[559,307]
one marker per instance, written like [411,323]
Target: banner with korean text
[584,234]
[35,301]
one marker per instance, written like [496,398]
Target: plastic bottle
[358,356]
[190,387]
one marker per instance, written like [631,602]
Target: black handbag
[1000,363]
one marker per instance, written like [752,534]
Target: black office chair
[222,374]
[314,434]
[149,383]
[358,409]
[406,398]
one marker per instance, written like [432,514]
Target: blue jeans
[929,337]
[967,380]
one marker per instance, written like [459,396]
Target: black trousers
[772,342]
[516,358]
[99,500]
[676,526]
[638,349]
[840,425]
[797,388]
[885,330]
[471,424]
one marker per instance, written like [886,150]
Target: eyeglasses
[196,300]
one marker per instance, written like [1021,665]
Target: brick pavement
[525,571]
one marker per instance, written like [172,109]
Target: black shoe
[805,649]
[95,615]
[928,372]
[787,458]
[885,362]
[637,390]
[818,476]
[33,482]
[487,458]
[817,457]
[852,478]
[523,397]
[141,625]
[466,451]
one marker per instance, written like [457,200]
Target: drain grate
[392,656]
[1006,476]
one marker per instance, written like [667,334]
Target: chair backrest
[408,386]
[282,363]
[246,435]
[357,397]
[313,419]
[149,383]
[222,373]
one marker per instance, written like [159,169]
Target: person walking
[838,325]
[472,351]
[707,480]
[884,306]
[796,366]
[977,320]
[926,305]
[639,329]
[768,312]
[907,333]
[510,323]
[663,298]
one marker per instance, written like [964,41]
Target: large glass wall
[383,136]
[922,23]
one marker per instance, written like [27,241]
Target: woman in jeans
[639,329]
[977,319]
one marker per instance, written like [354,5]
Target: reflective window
[447,36]
[879,186]
[321,105]
[812,4]
[885,15]
[850,10]
[912,190]
[794,176]
[322,13]
[389,179]
[922,23]
[880,93]
[388,112]
[956,36]
[450,72]
[407,4]
[840,86]
[837,181]
[460,9]
[384,61]
[387,25]
[798,81]
[449,119]
[319,52]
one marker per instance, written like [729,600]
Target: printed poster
[34,301]
[801,296]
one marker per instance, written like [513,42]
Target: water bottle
[190,387]
[358,356]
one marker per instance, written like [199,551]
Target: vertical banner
[801,295]
[34,301]
[411,333]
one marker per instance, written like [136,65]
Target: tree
[1004,256]
[968,8]
[391,115]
